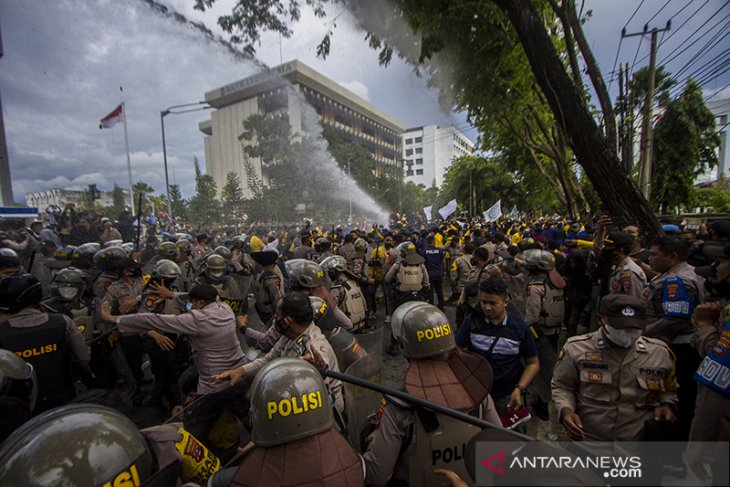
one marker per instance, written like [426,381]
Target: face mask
[67,292]
[608,254]
[216,275]
[623,337]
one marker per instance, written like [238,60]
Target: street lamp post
[163,114]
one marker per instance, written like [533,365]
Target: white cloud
[358,88]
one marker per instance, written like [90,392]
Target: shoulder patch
[655,341]
[578,338]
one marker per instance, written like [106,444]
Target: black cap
[721,228]
[127,263]
[206,292]
[619,239]
[623,311]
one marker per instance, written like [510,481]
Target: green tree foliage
[179,206]
[119,201]
[684,147]
[144,189]
[232,202]
[716,198]
[204,207]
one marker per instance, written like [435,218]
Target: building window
[419,161]
[419,150]
[409,152]
[419,172]
[419,140]
[409,172]
[409,141]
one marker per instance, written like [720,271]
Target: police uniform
[627,278]
[397,451]
[463,273]
[407,279]
[268,290]
[350,300]
[51,343]
[613,390]
[228,292]
[545,305]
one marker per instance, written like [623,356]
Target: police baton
[417,401]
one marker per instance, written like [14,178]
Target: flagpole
[126,145]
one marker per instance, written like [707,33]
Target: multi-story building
[428,151]
[62,197]
[721,110]
[281,90]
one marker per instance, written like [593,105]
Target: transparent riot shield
[361,403]
[371,339]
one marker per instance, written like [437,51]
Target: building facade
[721,110]
[62,197]
[281,90]
[429,150]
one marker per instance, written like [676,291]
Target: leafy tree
[179,207]
[144,189]
[119,201]
[685,142]
[232,199]
[204,207]
[488,34]
[715,198]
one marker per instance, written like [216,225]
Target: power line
[717,92]
[709,46]
[676,54]
[633,14]
[631,70]
[658,12]
[709,65]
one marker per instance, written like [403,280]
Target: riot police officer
[293,433]
[544,314]
[346,290]
[408,443]
[215,273]
[51,343]
[409,276]
[269,284]
[68,298]
[187,265]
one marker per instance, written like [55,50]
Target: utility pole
[349,193]
[622,118]
[629,125]
[647,135]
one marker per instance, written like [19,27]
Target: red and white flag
[117,115]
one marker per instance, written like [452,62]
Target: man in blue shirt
[504,340]
[435,267]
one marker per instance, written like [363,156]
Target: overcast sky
[65,60]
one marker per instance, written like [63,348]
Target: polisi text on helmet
[433,332]
[294,405]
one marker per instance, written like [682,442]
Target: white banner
[448,209]
[495,212]
[427,211]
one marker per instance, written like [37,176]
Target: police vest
[354,303]
[440,442]
[263,302]
[676,301]
[552,306]
[45,348]
[714,371]
[409,278]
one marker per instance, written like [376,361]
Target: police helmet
[539,259]
[18,291]
[112,243]
[168,250]
[334,264]
[8,258]
[184,245]
[215,267]
[322,244]
[407,248]
[68,283]
[83,255]
[129,247]
[79,444]
[181,236]
[167,270]
[17,379]
[422,330]
[108,258]
[360,245]
[305,273]
[319,308]
[289,401]
[65,252]
[224,252]
[241,242]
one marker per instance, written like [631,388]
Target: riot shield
[371,339]
[361,403]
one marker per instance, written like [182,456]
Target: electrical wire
[658,11]
[667,60]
